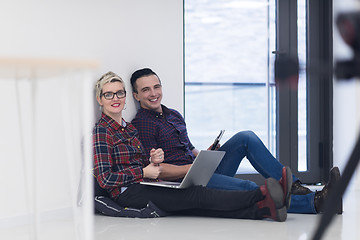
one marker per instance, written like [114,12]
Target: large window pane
[228,70]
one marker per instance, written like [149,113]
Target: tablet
[217,139]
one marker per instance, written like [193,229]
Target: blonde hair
[106,78]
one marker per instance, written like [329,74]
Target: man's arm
[173,172]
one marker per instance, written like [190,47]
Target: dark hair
[139,74]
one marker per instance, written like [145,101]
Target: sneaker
[274,200]
[286,183]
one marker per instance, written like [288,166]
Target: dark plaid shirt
[166,130]
[118,155]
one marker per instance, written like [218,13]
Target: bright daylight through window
[229,81]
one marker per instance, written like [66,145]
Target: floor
[297,226]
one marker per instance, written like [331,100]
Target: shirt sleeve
[104,163]
[176,113]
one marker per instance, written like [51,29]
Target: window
[229,81]
[229,70]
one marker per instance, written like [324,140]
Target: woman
[120,164]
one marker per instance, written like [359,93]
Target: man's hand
[156,156]
[195,152]
[216,148]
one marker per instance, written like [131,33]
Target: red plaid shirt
[118,155]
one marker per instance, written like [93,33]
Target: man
[161,127]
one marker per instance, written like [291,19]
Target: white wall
[121,35]
[346,100]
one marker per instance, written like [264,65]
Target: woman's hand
[156,156]
[152,171]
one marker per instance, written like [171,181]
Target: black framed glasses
[110,95]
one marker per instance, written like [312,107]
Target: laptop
[199,173]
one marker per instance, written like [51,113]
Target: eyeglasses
[110,95]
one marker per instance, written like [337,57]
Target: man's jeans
[248,144]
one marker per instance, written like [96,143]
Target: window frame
[319,83]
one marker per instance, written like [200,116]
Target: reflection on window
[302,156]
[228,70]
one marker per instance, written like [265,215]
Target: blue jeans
[248,144]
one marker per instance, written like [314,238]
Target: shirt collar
[114,124]
[164,113]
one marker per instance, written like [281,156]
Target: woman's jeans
[248,144]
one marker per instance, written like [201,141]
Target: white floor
[297,226]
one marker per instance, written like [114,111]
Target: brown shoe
[298,189]
[321,196]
